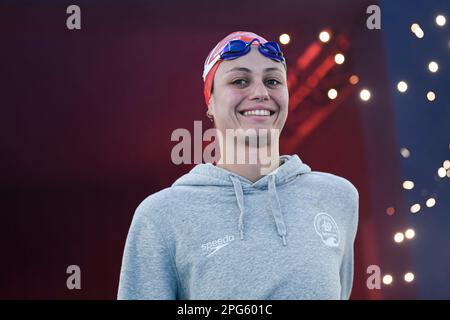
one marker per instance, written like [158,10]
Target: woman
[231,231]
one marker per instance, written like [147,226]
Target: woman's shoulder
[156,206]
[337,183]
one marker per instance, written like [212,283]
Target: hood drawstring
[240,200]
[274,205]
[276,209]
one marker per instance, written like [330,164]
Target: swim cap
[213,60]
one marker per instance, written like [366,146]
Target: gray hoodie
[216,235]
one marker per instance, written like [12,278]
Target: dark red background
[87,117]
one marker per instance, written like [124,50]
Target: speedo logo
[212,247]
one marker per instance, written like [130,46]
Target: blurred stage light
[409,277]
[285,38]
[417,30]
[399,237]
[408,185]
[405,152]
[431,96]
[353,79]
[441,20]
[431,202]
[364,95]
[339,58]
[390,211]
[332,94]
[324,36]
[433,66]
[402,86]
[410,233]
[387,279]
[415,208]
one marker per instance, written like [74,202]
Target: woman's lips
[258,118]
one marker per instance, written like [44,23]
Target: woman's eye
[240,82]
[272,82]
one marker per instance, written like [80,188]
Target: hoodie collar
[207,174]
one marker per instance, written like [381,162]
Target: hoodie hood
[210,175]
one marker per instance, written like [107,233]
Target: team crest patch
[327,229]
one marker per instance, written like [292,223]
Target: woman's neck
[252,170]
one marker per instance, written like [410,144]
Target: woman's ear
[211,106]
[210,111]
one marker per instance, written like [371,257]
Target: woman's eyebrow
[272,69]
[240,69]
[250,71]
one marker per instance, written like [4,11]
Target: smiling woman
[229,231]
[246,88]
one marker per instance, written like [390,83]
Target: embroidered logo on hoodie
[212,247]
[327,229]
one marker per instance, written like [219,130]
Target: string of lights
[443,171]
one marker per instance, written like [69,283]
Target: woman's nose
[260,92]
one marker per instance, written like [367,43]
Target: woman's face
[250,82]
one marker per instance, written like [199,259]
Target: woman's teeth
[257,113]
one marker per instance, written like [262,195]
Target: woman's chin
[259,129]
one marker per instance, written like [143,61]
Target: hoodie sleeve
[148,269]
[347,266]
